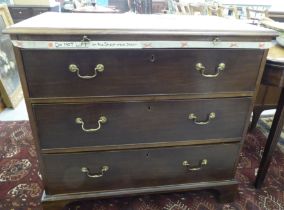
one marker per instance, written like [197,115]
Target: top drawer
[63,73]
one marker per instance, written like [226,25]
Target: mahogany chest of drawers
[134,104]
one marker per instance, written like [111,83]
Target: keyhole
[149,108]
[152,59]
[147,155]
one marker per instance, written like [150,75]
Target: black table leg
[272,140]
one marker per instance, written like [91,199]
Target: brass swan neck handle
[102,120]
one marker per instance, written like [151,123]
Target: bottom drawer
[138,168]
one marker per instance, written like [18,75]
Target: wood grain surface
[139,122]
[138,168]
[139,72]
[70,23]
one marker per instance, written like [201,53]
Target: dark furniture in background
[159,6]
[120,5]
[95,9]
[267,98]
[117,116]
[140,6]
[273,83]
[20,12]
[143,6]
[270,96]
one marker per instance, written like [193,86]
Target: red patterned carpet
[21,187]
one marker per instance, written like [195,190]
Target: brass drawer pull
[96,175]
[193,117]
[202,163]
[74,68]
[201,68]
[101,121]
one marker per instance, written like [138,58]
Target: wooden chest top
[69,23]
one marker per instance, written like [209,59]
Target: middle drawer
[97,124]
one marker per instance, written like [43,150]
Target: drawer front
[138,168]
[139,122]
[135,72]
